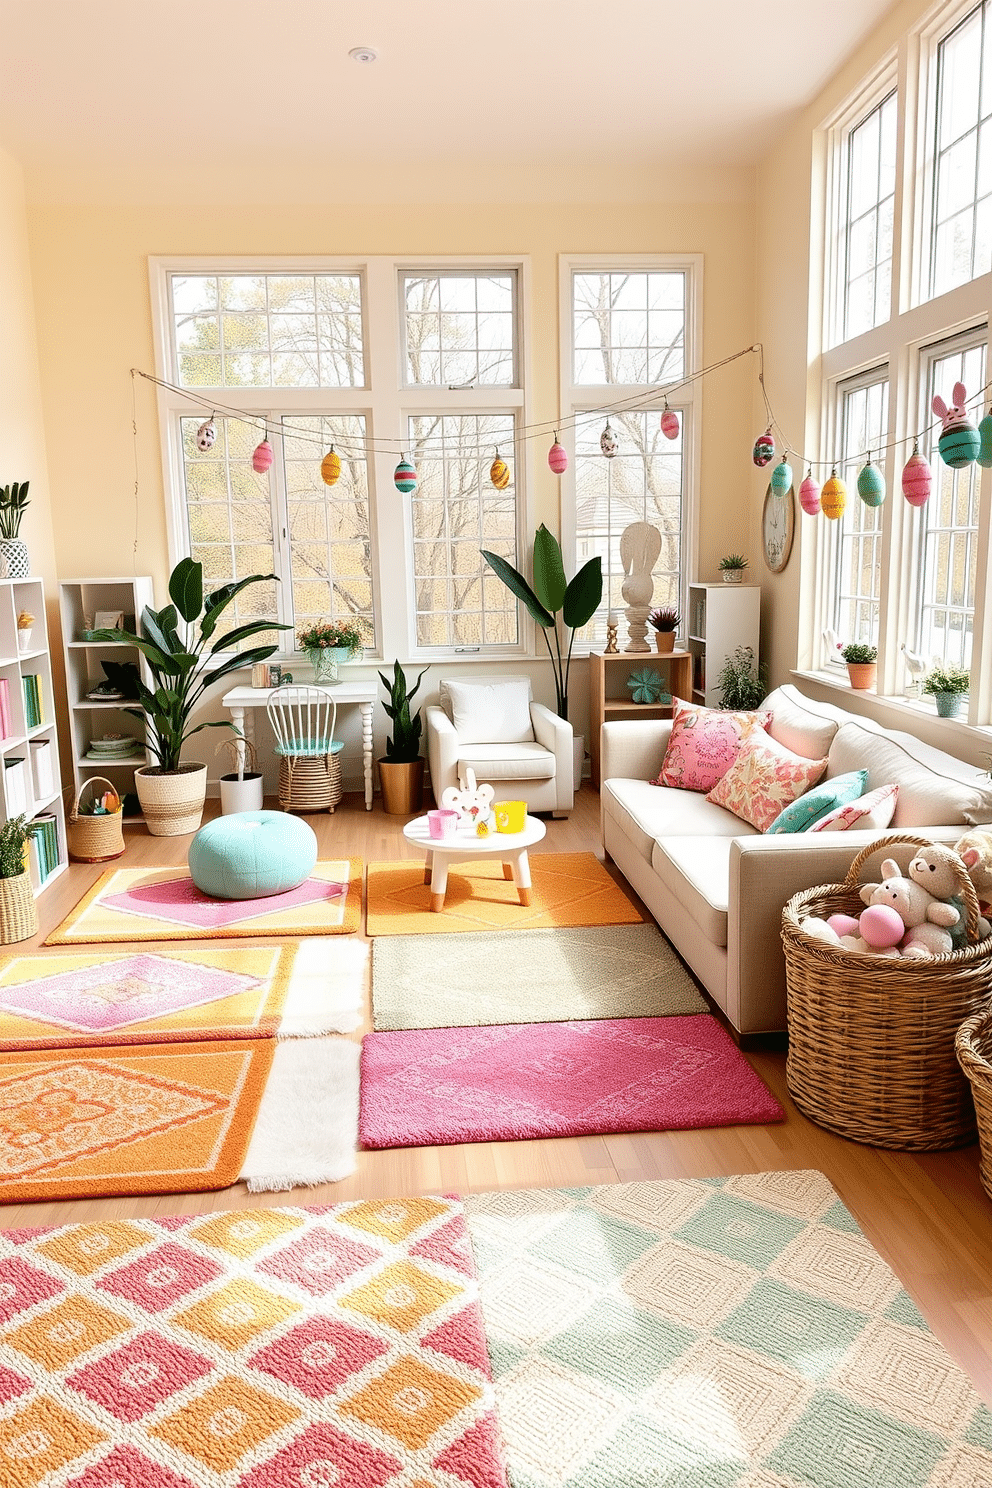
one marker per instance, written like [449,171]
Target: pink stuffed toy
[877,932]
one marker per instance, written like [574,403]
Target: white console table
[242,701]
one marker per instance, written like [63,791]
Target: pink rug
[182,903]
[435,1086]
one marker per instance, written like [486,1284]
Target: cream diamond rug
[713,1333]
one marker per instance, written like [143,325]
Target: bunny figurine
[960,441]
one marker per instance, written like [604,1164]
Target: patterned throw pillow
[869,813]
[764,777]
[703,745]
[825,797]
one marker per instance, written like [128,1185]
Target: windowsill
[913,710]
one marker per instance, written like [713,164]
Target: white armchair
[493,726]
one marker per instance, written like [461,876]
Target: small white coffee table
[510,847]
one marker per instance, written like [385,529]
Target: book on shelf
[5,729]
[31,683]
[42,769]
[46,842]
[15,785]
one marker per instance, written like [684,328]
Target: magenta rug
[436,1086]
[181,902]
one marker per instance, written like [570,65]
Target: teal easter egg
[985,441]
[405,476]
[871,485]
[781,481]
[959,446]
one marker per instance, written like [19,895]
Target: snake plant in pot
[185,656]
[401,770]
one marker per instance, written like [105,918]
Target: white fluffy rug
[327,988]
[307,1127]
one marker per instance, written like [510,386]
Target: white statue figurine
[640,544]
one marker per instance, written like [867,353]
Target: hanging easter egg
[405,476]
[330,467]
[985,441]
[781,481]
[833,497]
[557,458]
[262,458]
[608,442]
[809,495]
[670,424]
[499,473]
[871,484]
[916,478]
[764,448]
[206,435]
[959,443]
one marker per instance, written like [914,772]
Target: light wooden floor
[927,1214]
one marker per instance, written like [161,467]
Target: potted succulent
[327,645]
[861,664]
[666,620]
[401,770]
[185,656]
[732,568]
[947,686]
[743,683]
[14,560]
[18,912]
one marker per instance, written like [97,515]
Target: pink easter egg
[670,424]
[916,479]
[809,497]
[843,924]
[262,458]
[881,926]
[557,459]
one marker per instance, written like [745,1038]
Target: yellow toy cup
[510,815]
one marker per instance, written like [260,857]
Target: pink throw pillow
[873,810]
[764,778]
[703,745]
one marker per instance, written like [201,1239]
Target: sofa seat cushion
[506,762]
[697,871]
[646,812]
[935,789]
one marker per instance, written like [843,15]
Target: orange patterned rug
[167,1118]
[568,889]
[130,904]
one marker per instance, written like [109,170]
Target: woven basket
[18,911]
[871,1039]
[309,783]
[973,1047]
[94,839]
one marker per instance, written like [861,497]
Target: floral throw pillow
[868,813]
[763,779]
[703,745]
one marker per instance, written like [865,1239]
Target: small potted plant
[666,621]
[732,568]
[18,912]
[947,686]
[861,668]
[25,620]
[743,683]
[327,645]
[15,562]
[401,770]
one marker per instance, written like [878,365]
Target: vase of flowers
[25,620]
[666,620]
[947,686]
[327,645]
[15,562]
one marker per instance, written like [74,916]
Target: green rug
[713,1333]
[528,976]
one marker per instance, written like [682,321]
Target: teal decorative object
[781,481]
[647,686]
[985,441]
[252,854]
[871,485]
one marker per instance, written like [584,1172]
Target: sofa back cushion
[935,789]
[801,724]
[489,710]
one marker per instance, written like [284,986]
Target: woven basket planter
[172,804]
[309,783]
[94,839]
[18,911]
[871,1039]
[974,1050]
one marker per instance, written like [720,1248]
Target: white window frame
[385,402]
[579,399]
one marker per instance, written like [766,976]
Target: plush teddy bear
[975,851]
[934,868]
[927,919]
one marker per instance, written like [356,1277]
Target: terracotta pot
[861,675]
[664,640]
[402,787]
[172,804]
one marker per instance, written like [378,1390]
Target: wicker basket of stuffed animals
[871,1039]
[974,1050]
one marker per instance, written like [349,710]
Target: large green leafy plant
[185,656]
[575,600]
[403,746]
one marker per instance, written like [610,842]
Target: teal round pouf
[252,854]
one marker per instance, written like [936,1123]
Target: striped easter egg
[959,445]
[871,485]
[670,424]
[809,496]
[330,467]
[833,497]
[262,458]
[985,441]
[557,459]
[781,480]
[916,479]
[764,448]
[405,476]
[499,473]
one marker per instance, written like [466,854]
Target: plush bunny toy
[928,920]
[960,442]
[934,869]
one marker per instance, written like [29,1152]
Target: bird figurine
[917,667]
[833,643]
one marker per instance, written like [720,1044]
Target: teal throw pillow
[800,815]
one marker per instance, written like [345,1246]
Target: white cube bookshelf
[721,618]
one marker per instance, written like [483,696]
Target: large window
[962,167]
[870,198]
[864,424]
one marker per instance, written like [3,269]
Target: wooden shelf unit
[609,698]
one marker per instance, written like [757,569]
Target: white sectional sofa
[716,886]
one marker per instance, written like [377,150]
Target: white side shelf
[721,618]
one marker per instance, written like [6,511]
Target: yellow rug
[132,904]
[567,889]
[168,1118]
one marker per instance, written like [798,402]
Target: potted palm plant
[18,912]
[185,656]
[861,659]
[947,686]
[666,620]
[401,770]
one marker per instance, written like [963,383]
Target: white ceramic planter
[24,639]
[241,795]
[172,804]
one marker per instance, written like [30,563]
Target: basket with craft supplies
[94,824]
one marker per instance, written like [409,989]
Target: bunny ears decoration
[959,442]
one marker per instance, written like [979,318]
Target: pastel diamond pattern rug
[434,1087]
[277,1348]
[136,904]
[714,1333]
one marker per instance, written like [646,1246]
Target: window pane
[962,181]
[858,578]
[628,327]
[866,230]
[268,330]
[456,511]
[459,330]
